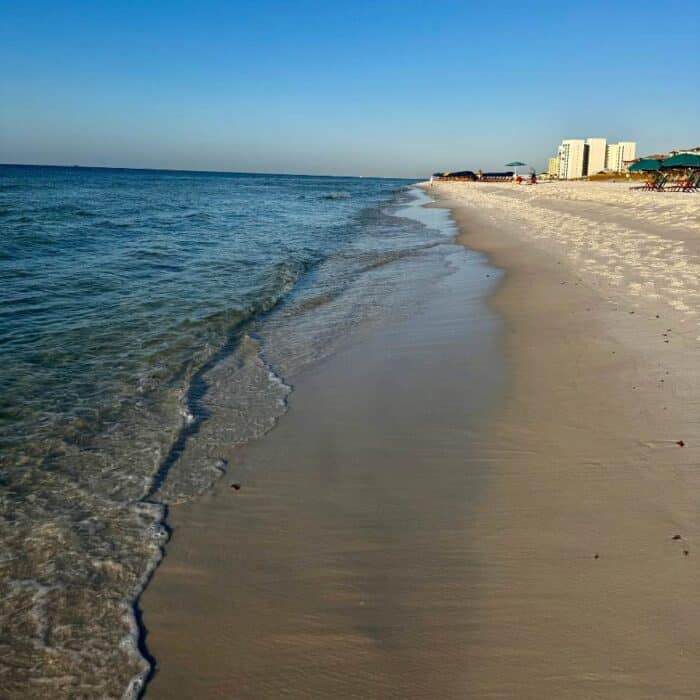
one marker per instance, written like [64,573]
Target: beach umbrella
[515,164]
[645,165]
[681,160]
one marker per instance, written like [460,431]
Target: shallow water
[147,319]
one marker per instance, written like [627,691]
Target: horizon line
[203,172]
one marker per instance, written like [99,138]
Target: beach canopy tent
[508,175]
[468,174]
[458,175]
[645,165]
[681,160]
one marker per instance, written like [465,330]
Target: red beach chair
[649,184]
[687,184]
[693,183]
[658,185]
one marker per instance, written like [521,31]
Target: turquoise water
[148,319]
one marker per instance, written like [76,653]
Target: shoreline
[320,575]
[554,571]
[151,364]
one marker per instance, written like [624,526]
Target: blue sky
[367,88]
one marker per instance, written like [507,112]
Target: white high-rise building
[579,158]
[613,157]
[597,155]
[572,159]
[619,153]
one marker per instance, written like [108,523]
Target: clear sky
[359,87]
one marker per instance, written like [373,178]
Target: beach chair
[649,184]
[693,183]
[687,184]
[658,185]
[676,184]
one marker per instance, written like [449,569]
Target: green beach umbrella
[515,164]
[681,160]
[645,165]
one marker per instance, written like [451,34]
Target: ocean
[149,318]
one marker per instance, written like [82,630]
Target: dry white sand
[643,247]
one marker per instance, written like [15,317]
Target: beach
[589,531]
[493,498]
[335,362]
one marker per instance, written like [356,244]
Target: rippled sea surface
[147,319]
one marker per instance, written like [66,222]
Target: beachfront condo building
[579,157]
[572,159]
[619,154]
[553,167]
[597,154]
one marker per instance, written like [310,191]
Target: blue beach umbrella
[515,164]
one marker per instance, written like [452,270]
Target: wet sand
[343,566]
[415,528]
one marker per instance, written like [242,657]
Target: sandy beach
[486,502]
[587,590]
